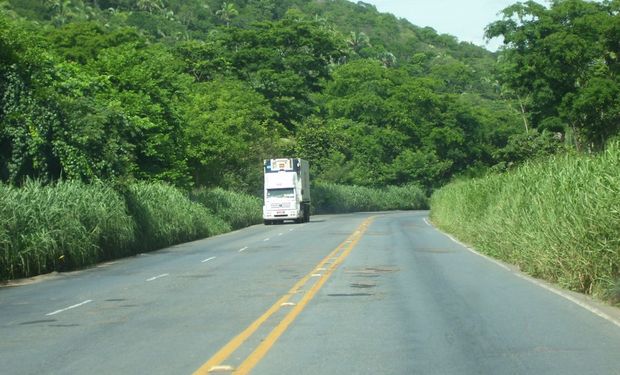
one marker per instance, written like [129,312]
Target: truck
[287,191]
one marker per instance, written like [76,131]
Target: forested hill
[198,92]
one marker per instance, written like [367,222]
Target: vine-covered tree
[563,57]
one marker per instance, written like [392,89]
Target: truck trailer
[287,191]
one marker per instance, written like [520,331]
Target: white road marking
[70,307]
[158,277]
[316,275]
[292,229]
[479,254]
[574,300]
[208,259]
[279,234]
[266,239]
[558,292]
[243,249]
[427,223]
[288,304]
[222,368]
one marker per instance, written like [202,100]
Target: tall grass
[558,220]
[165,216]
[65,226]
[70,225]
[237,209]
[334,198]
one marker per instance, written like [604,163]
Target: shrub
[165,216]
[557,219]
[60,227]
[237,209]
[334,198]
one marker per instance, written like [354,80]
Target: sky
[465,19]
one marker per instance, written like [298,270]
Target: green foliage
[150,88]
[198,92]
[286,61]
[71,225]
[62,227]
[81,42]
[229,129]
[528,146]
[334,198]
[563,60]
[236,209]
[555,219]
[165,216]
[386,127]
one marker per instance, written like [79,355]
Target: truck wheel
[268,222]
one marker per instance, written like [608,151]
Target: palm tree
[150,5]
[357,41]
[387,59]
[227,13]
[62,10]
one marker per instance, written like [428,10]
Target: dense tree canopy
[197,92]
[562,62]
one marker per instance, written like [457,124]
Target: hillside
[196,93]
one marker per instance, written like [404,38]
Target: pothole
[372,271]
[37,322]
[362,285]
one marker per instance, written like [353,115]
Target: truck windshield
[281,193]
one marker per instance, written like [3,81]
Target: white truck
[287,191]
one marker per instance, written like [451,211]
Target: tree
[62,10]
[150,87]
[150,6]
[286,61]
[358,41]
[227,13]
[561,55]
[230,130]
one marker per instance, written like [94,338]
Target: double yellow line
[340,253]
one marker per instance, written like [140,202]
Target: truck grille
[281,205]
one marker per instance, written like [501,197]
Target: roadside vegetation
[237,209]
[334,198]
[70,225]
[166,216]
[65,226]
[185,98]
[557,219]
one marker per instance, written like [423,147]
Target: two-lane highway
[361,294]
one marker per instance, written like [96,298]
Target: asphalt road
[344,294]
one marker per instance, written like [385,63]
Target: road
[361,293]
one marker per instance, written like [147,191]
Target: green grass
[71,225]
[558,220]
[60,227]
[166,216]
[237,209]
[333,198]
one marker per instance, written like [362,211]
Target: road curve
[344,294]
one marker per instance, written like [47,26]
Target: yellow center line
[264,347]
[257,355]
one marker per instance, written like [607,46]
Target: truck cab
[287,191]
